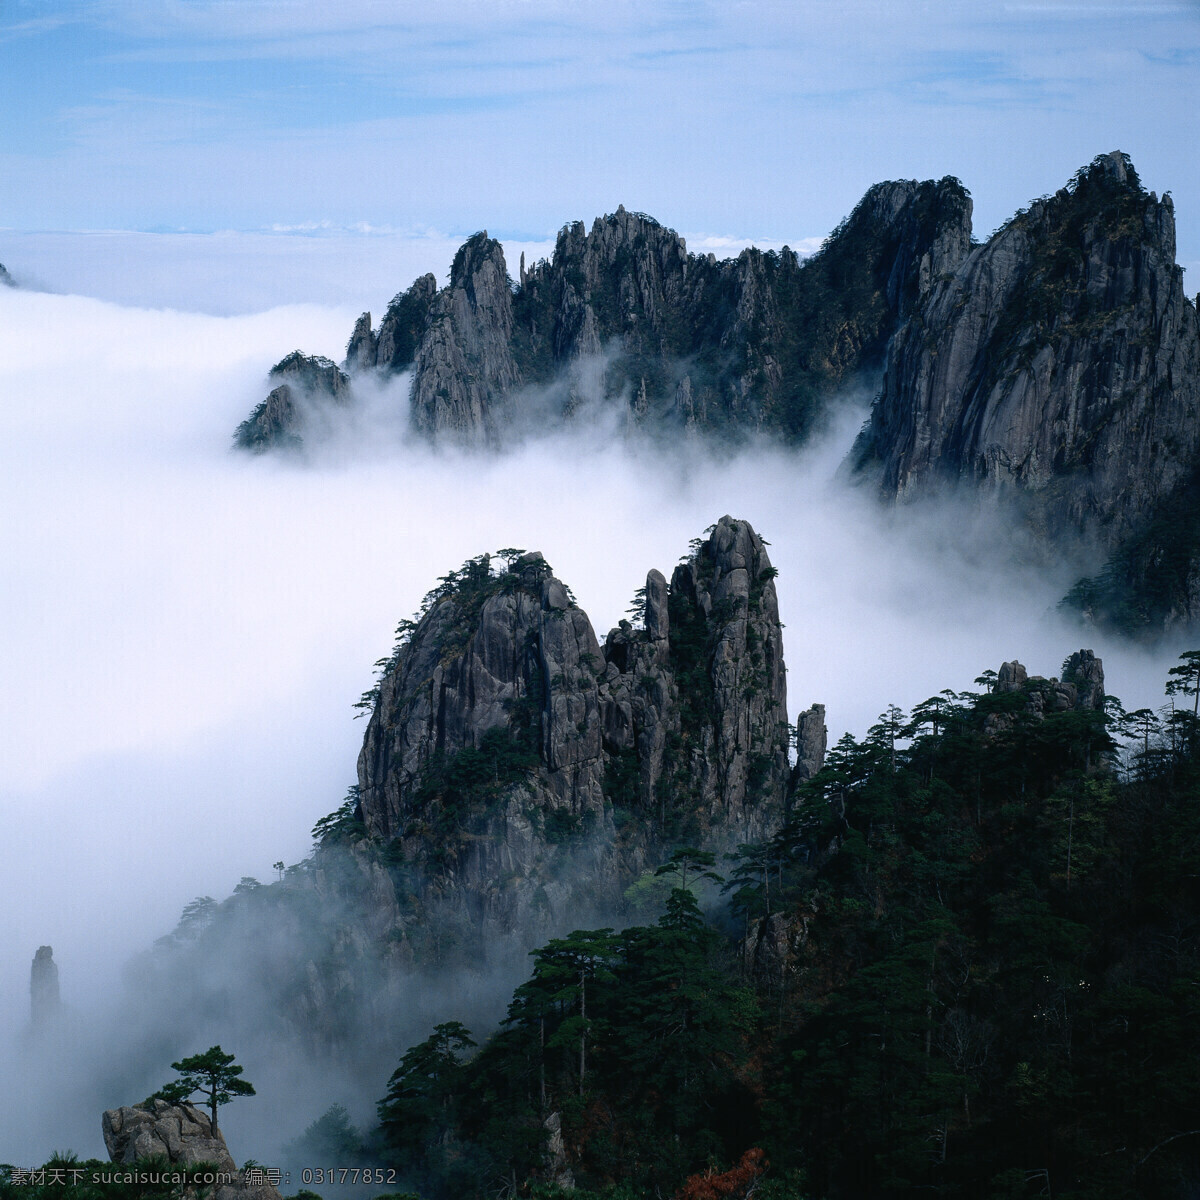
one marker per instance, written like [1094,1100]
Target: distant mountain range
[1056,365]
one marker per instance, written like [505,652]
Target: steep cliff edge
[517,776]
[757,342]
[505,744]
[1058,364]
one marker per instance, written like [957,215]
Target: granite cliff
[624,315]
[518,775]
[1058,365]
[1055,367]
[506,743]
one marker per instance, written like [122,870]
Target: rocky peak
[500,663]
[1081,688]
[697,698]
[44,1005]
[812,740]
[624,315]
[403,326]
[1059,364]
[306,386]
[6,280]
[362,351]
[465,369]
[503,740]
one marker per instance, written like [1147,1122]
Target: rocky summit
[519,777]
[307,386]
[6,280]
[505,741]
[1055,366]
[181,1135]
[1059,361]
[623,315]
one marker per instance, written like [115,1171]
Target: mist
[186,629]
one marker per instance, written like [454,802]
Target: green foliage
[212,1073]
[1147,579]
[453,787]
[649,1024]
[331,1138]
[418,1115]
[342,826]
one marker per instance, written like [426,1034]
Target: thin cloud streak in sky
[767,117]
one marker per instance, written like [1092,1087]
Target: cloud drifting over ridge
[185,629]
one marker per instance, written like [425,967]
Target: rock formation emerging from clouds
[623,314]
[518,775]
[505,742]
[1058,364]
[307,385]
[44,1003]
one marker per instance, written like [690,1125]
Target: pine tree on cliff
[212,1073]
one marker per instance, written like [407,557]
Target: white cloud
[184,630]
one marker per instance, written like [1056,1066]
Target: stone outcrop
[183,1135]
[812,739]
[305,386]
[624,315]
[517,776]
[504,741]
[465,369]
[394,347]
[44,1003]
[698,697]
[6,280]
[1058,364]
[1081,689]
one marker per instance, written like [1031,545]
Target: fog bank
[185,629]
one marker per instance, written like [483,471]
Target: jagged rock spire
[44,1004]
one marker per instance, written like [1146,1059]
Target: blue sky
[747,118]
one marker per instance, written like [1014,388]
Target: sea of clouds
[185,629]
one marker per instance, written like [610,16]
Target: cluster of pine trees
[966,966]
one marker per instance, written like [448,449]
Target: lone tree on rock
[212,1073]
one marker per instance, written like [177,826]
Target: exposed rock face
[6,280]
[1058,363]
[500,677]
[1081,688]
[362,351]
[812,739]
[516,777]
[43,987]
[465,367]
[394,348]
[755,342]
[623,314]
[306,385]
[679,728]
[769,949]
[183,1135]
[700,696]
